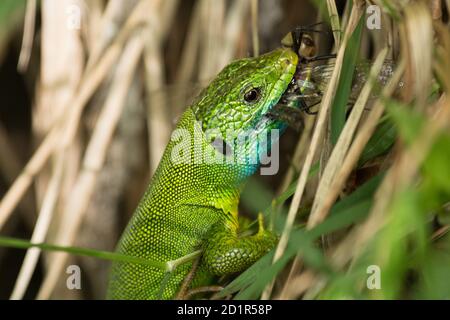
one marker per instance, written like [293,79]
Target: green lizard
[192,204]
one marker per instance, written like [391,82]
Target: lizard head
[237,103]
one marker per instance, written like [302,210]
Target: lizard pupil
[252,95]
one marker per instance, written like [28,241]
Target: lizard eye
[252,95]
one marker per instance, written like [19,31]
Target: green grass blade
[105,255]
[381,141]
[339,108]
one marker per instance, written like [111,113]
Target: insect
[301,41]
[304,92]
[309,82]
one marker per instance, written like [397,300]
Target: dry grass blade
[213,19]
[441,64]
[40,231]
[189,53]
[298,285]
[58,82]
[60,75]
[28,35]
[334,21]
[158,123]
[419,35]
[255,39]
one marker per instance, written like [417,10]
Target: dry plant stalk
[159,126]
[28,36]
[40,231]
[334,21]
[61,71]
[255,39]
[419,33]
[213,17]
[297,285]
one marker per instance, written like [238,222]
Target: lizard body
[192,199]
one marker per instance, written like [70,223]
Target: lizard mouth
[283,110]
[292,87]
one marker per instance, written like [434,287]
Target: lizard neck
[203,175]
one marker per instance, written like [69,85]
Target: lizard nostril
[286,62]
[288,58]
